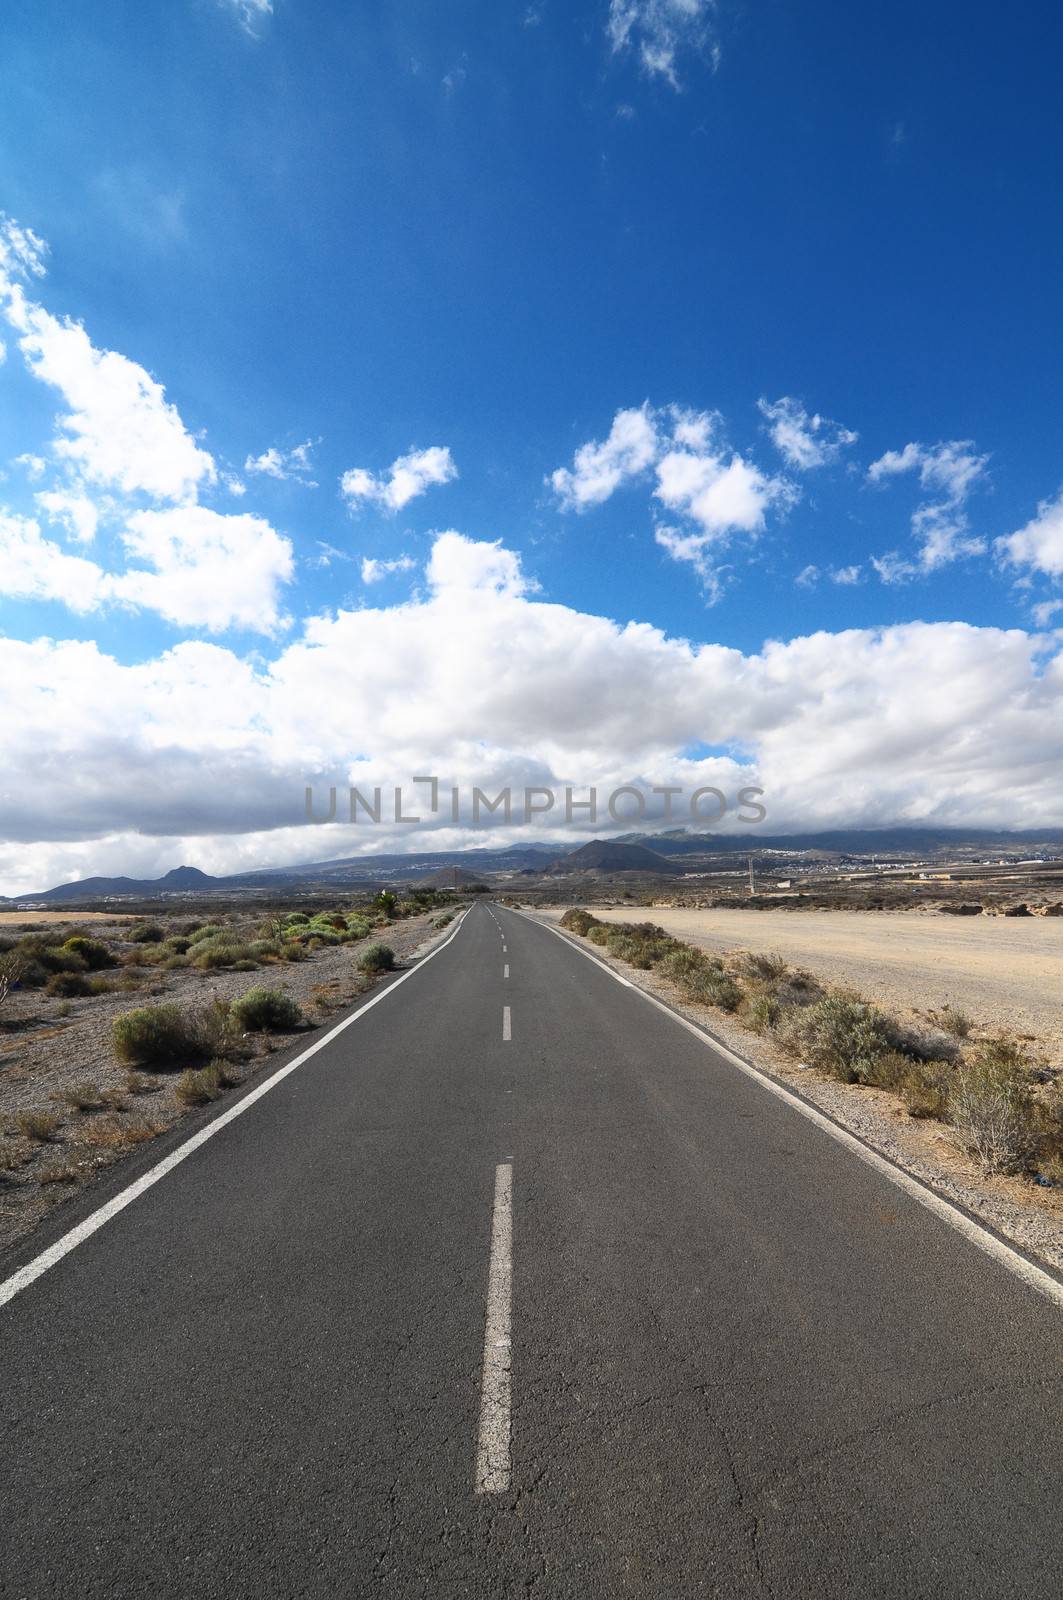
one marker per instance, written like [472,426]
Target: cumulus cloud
[600,467]
[119,443]
[922,723]
[374,570]
[76,512]
[406,478]
[660,30]
[35,568]
[284,464]
[698,477]
[120,431]
[206,570]
[804,441]
[1038,546]
[949,473]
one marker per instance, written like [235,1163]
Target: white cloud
[251,14]
[924,723]
[206,570]
[35,466]
[34,568]
[804,441]
[659,30]
[1039,545]
[3,352]
[120,431]
[374,570]
[599,468]
[949,472]
[462,566]
[284,464]
[76,512]
[406,478]
[698,477]
[808,577]
[846,576]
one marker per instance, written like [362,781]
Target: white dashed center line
[492,1456]
[507,1030]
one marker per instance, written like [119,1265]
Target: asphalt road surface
[517,1287]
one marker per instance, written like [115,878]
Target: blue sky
[806,258]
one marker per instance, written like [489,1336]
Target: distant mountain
[659,853]
[605,855]
[846,841]
[182,880]
[450,878]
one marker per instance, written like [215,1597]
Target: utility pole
[752,878]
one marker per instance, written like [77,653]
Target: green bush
[295,919]
[711,986]
[147,933]
[579,921]
[164,1036]
[841,1034]
[265,1011]
[377,958]
[209,930]
[68,985]
[681,962]
[95,954]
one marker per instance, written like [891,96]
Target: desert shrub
[322,936]
[922,1044]
[377,958]
[80,1097]
[576,920]
[761,968]
[358,928]
[164,1036]
[992,1108]
[37,1125]
[295,919]
[265,949]
[841,1034]
[711,986]
[292,950]
[762,1012]
[68,985]
[954,1021]
[223,950]
[197,1085]
[139,1083]
[599,934]
[174,963]
[446,919]
[925,1089]
[147,933]
[179,944]
[93,952]
[209,930]
[681,961]
[61,1169]
[264,1010]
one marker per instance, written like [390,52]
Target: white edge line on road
[493,1452]
[507,1026]
[1031,1275]
[92,1224]
[505,970]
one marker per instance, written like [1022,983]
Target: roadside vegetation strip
[579,924]
[49,1258]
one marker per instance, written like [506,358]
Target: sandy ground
[1013,1207]
[41,919]
[1005,973]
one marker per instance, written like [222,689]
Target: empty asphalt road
[516,1286]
